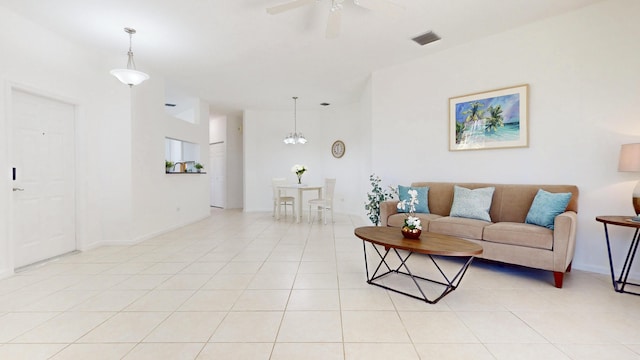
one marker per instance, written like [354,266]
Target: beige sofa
[507,238]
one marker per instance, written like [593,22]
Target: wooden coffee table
[391,240]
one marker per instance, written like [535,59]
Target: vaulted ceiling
[235,55]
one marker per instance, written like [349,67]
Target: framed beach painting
[489,120]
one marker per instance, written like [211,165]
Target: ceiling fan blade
[288,6]
[334,23]
[379,5]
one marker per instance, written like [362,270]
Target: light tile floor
[243,286]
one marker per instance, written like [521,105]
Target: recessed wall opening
[183,154]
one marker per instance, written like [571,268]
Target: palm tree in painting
[459,131]
[495,119]
[474,112]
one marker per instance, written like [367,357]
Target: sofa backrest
[511,202]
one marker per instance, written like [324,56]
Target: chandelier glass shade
[130,76]
[295,137]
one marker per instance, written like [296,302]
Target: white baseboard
[142,238]
[6,273]
[139,239]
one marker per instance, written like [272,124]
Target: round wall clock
[338,149]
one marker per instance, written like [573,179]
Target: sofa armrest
[564,240]
[387,208]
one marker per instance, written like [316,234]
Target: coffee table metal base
[450,284]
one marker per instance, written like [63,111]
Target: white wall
[235,177]
[266,156]
[217,128]
[119,163]
[163,201]
[41,62]
[584,80]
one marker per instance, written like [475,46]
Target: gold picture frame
[490,119]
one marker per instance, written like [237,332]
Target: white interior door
[217,157]
[43,200]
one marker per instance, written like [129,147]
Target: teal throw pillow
[546,206]
[423,198]
[472,204]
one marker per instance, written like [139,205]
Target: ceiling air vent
[426,38]
[170,105]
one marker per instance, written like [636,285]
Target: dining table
[301,188]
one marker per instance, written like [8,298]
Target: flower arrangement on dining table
[299,170]
[412,225]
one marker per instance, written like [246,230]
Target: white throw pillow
[472,204]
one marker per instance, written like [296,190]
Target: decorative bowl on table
[411,233]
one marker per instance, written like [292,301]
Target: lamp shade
[630,162]
[629,158]
[129,76]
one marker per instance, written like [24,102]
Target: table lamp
[630,162]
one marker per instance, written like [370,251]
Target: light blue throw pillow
[472,204]
[546,206]
[423,198]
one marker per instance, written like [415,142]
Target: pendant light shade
[295,137]
[130,75]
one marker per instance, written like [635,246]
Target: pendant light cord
[295,115]
[131,64]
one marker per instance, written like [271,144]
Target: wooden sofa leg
[558,277]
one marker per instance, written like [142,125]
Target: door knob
[18,189]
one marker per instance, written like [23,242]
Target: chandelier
[295,137]
[130,75]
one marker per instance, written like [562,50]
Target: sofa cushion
[423,198]
[472,204]
[460,227]
[511,202]
[545,207]
[519,234]
[397,220]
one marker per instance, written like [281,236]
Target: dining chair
[281,199]
[326,202]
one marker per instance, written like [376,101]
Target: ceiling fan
[335,15]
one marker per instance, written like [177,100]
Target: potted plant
[198,167]
[168,166]
[377,195]
[412,226]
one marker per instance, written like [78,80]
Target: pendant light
[295,137]
[130,75]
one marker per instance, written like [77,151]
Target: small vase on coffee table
[411,233]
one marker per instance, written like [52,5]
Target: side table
[622,281]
